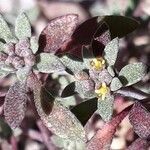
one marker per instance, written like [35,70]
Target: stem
[133,93]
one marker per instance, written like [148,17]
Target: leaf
[72,65]
[22,26]
[85,31]
[85,110]
[140,119]
[34,44]
[5,130]
[5,32]
[100,39]
[15,104]
[111,51]
[139,144]
[3,73]
[23,73]
[58,33]
[1,46]
[69,90]
[87,56]
[60,120]
[120,26]
[103,138]
[110,69]
[85,88]
[132,73]
[115,84]
[49,63]
[105,107]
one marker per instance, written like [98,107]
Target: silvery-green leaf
[111,71]
[87,56]
[23,73]
[105,107]
[33,13]
[67,144]
[5,32]
[115,84]
[59,120]
[85,88]
[7,68]
[3,73]
[22,26]
[69,90]
[111,51]
[49,63]
[34,44]
[132,73]
[72,65]
[1,46]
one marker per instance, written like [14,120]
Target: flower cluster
[99,78]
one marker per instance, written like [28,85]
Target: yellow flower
[102,91]
[98,63]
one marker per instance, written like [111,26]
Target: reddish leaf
[15,104]
[103,137]
[140,120]
[139,144]
[57,33]
[84,33]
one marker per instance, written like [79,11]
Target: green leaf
[72,65]
[3,73]
[23,73]
[48,63]
[5,32]
[85,88]
[69,90]
[132,73]
[34,44]
[60,120]
[85,110]
[87,56]
[5,130]
[115,84]
[110,69]
[120,26]
[105,107]
[22,26]
[111,51]
[1,46]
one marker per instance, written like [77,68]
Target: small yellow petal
[102,91]
[98,63]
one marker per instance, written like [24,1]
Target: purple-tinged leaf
[57,33]
[140,120]
[103,138]
[100,39]
[139,144]
[60,120]
[15,104]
